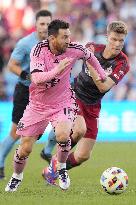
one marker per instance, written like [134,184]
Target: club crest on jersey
[121,73]
[20,126]
[109,70]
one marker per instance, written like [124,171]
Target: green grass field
[85,188]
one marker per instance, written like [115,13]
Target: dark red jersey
[116,67]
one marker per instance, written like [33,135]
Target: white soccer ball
[114,180]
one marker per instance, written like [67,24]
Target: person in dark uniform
[90,90]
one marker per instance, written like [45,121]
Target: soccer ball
[114,180]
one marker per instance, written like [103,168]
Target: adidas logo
[56,61]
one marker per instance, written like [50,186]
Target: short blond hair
[118,27]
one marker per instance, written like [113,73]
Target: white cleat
[14,182]
[64,180]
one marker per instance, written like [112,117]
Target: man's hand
[25,76]
[92,71]
[90,47]
[63,64]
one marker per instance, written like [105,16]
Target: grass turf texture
[85,188]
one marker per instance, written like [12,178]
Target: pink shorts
[34,123]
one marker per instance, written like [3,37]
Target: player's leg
[63,146]
[85,145]
[81,154]
[6,146]
[84,150]
[62,131]
[46,153]
[79,127]
[20,100]
[58,162]
[31,125]
[78,131]
[20,159]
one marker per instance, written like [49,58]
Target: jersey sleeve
[19,51]
[37,58]
[120,71]
[93,61]
[91,46]
[87,55]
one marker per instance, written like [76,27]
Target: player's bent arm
[106,85]
[103,86]
[38,76]
[17,57]
[14,67]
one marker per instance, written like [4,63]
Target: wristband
[24,75]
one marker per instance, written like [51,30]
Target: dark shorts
[91,116]
[20,101]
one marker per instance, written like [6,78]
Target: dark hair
[55,25]
[43,13]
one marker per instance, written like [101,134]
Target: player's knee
[25,153]
[26,150]
[62,136]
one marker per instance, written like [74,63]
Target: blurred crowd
[88,19]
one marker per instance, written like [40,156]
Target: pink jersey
[55,91]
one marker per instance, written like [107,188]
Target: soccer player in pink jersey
[51,99]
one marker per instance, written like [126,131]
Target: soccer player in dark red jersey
[90,90]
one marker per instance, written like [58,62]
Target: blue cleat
[50,173]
